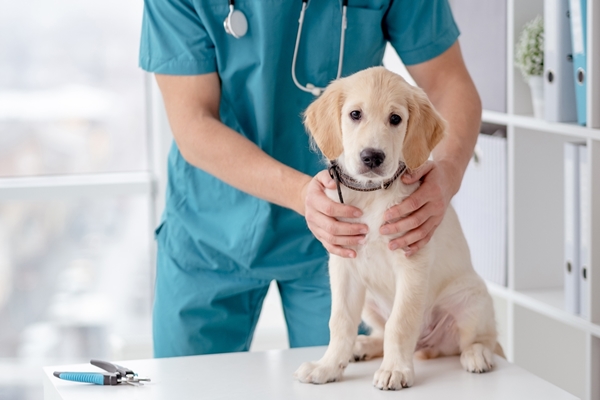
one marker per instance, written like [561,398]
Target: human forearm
[461,108]
[237,161]
[192,105]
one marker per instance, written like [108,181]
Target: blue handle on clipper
[88,377]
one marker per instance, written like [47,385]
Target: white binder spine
[572,229]
[481,205]
[585,226]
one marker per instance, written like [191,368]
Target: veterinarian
[245,197]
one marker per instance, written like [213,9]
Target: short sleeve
[174,40]
[420,30]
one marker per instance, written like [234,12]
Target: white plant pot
[536,84]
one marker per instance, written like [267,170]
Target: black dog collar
[341,178]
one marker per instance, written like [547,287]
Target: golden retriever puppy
[371,126]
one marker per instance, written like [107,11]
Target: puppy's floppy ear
[323,120]
[424,131]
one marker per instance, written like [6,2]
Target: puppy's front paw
[393,378]
[315,372]
[477,358]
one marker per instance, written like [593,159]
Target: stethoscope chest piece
[236,23]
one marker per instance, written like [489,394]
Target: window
[71,95]
[77,197]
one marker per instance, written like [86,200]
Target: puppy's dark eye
[395,119]
[355,115]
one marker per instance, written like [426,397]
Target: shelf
[546,302]
[77,185]
[540,334]
[529,122]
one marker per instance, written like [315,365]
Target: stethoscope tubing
[236,25]
[310,88]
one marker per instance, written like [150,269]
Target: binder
[585,226]
[481,206]
[572,229]
[559,83]
[578,15]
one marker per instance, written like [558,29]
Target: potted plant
[529,58]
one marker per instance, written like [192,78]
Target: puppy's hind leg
[370,346]
[477,333]
[477,358]
[367,347]
[347,298]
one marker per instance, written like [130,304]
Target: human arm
[448,84]
[192,104]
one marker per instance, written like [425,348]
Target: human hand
[420,213]
[321,215]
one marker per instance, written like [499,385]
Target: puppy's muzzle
[372,158]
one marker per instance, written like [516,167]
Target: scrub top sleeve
[420,30]
[174,40]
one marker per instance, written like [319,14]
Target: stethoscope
[236,25]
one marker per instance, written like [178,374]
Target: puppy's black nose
[372,158]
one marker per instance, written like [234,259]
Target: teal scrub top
[209,224]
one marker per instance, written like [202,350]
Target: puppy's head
[371,121]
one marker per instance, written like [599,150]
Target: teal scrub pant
[204,311]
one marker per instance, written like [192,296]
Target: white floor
[271,331]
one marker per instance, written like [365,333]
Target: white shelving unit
[536,330]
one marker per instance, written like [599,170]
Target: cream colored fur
[432,303]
